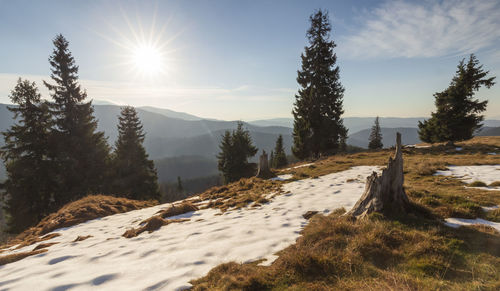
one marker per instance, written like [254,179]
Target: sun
[147,59]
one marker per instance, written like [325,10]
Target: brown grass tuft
[178,209]
[478,184]
[151,224]
[495,184]
[44,246]
[18,256]
[82,237]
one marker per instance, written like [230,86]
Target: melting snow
[176,253]
[485,173]
[282,177]
[300,166]
[457,222]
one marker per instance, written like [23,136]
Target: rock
[385,193]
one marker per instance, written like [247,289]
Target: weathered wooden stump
[385,193]
[264,172]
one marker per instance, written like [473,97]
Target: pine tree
[134,174]
[375,136]
[82,152]
[271,160]
[279,153]
[236,148]
[30,186]
[318,126]
[458,114]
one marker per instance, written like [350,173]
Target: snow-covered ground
[170,257]
[484,173]
[299,166]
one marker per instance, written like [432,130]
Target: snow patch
[171,256]
[485,173]
[457,222]
[282,177]
[489,208]
[300,166]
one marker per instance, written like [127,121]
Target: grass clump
[178,209]
[478,184]
[495,184]
[151,224]
[4,260]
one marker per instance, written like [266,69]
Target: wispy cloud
[155,95]
[425,29]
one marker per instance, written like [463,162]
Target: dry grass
[240,194]
[178,209]
[82,237]
[87,208]
[337,253]
[495,184]
[18,256]
[151,224]
[44,246]
[478,184]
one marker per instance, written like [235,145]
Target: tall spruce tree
[30,186]
[318,126]
[375,136]
[236,148]
[82,152]
[135,175]
[279,158]
[457,114]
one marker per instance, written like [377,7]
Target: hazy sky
[238,59]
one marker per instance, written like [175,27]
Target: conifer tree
[134,174]
[30,186]
[375,136]
[271,160]
[236,148]
[318,126]
[279,153]
[457,114]
[82,152]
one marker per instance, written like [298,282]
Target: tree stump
[264,172]
[385,193]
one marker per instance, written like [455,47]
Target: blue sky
[238,59]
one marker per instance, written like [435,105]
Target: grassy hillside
[414,252]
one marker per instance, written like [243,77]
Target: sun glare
[148,60]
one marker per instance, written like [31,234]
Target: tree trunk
[385,193]
[264,172]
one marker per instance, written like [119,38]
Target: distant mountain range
[171,134]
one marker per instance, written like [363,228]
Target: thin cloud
[425,29]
